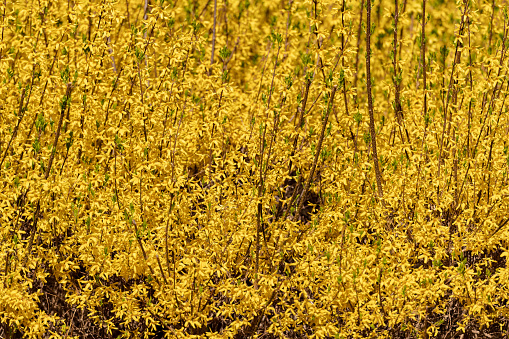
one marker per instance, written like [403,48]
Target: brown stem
[213,37]
[57,135]
[290,2]
[3,21]
[260,314]
[471,90]
[491,23]
[343,59]
[299,121]
[370,101]
[261,184]
[397,77]
[34,228]
[142,95]
[251,115]
[474,151]
[138,238]
[166,237]
[359,31]
[298,125]
[451,81]
[111,93]
[225,65]
[21,114]
[203,10]
[65,131]
[317,152]
[115,169]
[67,99]
[401,32]
[128,14]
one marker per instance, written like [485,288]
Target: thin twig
[318,151]
[370,101]
[359,31]
[213,37]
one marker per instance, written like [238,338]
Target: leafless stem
[397,77]
[299,122]
[261,183]
[112,90]
[359,31]
[3,21]
[318,151]
[21,114]
[67,99]
[446,107]
[203,10]
[138,238]
[423,52]
[48,169]
[213,37]
[370,100]
[491,23]
[343,59]
[290,3]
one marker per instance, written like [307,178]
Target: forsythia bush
[254,168]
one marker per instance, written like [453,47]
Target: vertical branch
[89,30]
[423,52]
[370,100]
[127,13]
[471,91]
[491,23]
[166,238]
[425,106]
[261,185]
[21,114]
[448,96]
[115,174]
[319,42]
[298,126]
[359,32]
[143,103]
[401,32]
[213,37]
[299,122]
[111,93]
[143,252]
[3,26]
[67,100]
[397,77]
[146,10]
[290,2]
[317,153]
[342,56]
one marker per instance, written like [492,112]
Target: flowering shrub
[251,168]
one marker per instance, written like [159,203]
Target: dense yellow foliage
[192,168]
